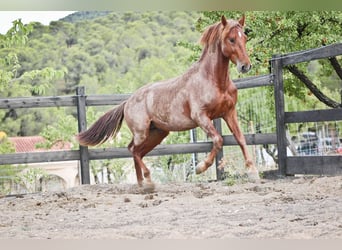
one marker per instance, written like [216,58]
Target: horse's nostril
[246,67]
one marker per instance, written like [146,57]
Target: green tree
[14,81]
[14,41]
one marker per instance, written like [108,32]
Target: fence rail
[120,152]
[311,54]
[313,116]
[314,165]
[102,100]
[61,101]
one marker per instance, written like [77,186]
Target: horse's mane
[213,32]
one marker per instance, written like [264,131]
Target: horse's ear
[242,21]
[223,21]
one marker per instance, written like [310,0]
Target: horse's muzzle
[244,68]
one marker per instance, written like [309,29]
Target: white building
[52,176]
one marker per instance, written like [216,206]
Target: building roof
[28,144]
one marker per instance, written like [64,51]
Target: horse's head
[233,43]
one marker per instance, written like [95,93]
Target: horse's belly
[175,123]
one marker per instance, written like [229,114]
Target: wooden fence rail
[102,100]
[120,152]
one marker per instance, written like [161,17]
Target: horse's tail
[105,127]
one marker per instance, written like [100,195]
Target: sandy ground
[287,208]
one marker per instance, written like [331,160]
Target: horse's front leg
[207,126]
[233,124]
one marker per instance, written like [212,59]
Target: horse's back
[165,103]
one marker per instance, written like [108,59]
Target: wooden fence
[322,165]
[287,165]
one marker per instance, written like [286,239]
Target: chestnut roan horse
[203,93]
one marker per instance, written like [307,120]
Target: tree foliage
[16,80]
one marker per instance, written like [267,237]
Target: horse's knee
[218,142]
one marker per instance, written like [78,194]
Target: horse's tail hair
[107,126]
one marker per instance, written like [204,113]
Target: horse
[203,93]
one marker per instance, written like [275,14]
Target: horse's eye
[231,40]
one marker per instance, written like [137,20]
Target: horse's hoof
[199,169]
[253,176]
[148,187]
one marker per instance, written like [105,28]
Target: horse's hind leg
[153,137]
[137,167]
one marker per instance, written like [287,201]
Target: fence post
[193,139]
[82,125]
[277,69]
[219,155]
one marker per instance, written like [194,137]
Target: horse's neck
[216,67]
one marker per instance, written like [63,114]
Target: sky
[44,17]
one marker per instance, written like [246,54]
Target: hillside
[83,15]
[107,52]
[98,52]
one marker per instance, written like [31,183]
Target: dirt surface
[296,208]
